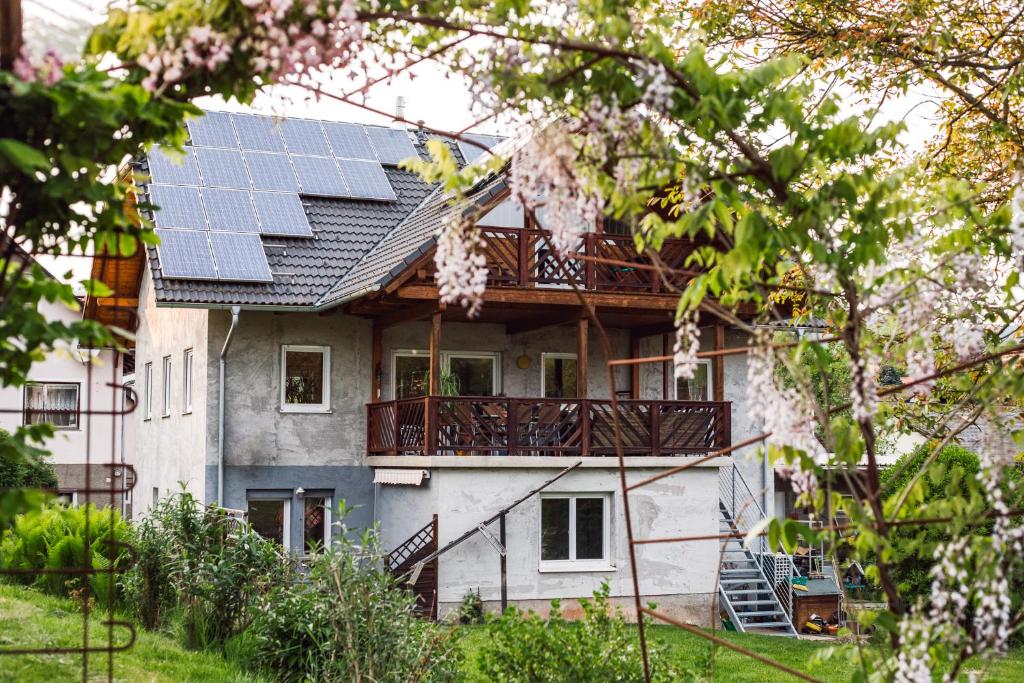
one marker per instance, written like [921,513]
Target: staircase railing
[742,505]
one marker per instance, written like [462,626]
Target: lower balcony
[500,426]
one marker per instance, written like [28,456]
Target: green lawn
[30,619]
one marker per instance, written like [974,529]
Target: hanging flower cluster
[968,339]
[202,49]
[47,71]
[863,389]
[921,365]
[1017,218]
[687,345]
[461,266]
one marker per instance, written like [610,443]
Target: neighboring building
[78,391]
[297,259]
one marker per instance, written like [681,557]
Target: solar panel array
[241,177]
[470,151]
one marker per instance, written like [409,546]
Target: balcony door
[558,375]
[698,388]
[463,373]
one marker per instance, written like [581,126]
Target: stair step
[753,580]
[754,571]
[760,613]
[766,601]
[771,624]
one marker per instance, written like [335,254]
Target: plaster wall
[681,576]
[170,449]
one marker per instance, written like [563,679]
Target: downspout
[235,310]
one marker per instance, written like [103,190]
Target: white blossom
[921,364]
[461,266]
[687,346]
[1017,217]
[968,339]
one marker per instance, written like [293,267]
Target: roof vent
[400,111]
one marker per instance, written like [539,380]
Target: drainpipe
[235,310]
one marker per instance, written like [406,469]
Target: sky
[438,100]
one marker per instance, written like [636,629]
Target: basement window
[305,379]
[574,532]
[316,523]
[269,518]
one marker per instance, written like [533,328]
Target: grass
[31,619]
[824,660]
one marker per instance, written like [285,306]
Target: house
[292,353]
[80,392]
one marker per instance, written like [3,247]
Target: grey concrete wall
[681,576]
[169,450]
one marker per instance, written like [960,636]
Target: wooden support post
[524,258]
[10,32]
[667,370]
[718,365]
[376,371]
[634,370]
[582,350]
[504,568]
[434,383]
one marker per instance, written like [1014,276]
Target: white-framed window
[156,496]
[575,532]
[700,387]
[54,402]
[165,389]
[558,375]
[468,373]
[270,518]
[147,398]
[316,522]
[186,386]
[305,379]
[67,498]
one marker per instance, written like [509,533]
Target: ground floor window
[269,518]
[52,402]
[574,530]
[316,523]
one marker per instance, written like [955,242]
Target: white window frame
[165,388]
[604,564]
[286,533]
[446,357]
[325,405]
[543,365]
[148,393]
[187,362]
[711,380]
[328,506]
[55,383]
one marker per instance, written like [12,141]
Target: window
[165,393]
[698,388]
[186,371]
[305,379]
[574,531]
[316,523]
[464,373]
[269,518]
[148,398]
[156,496]
[558,375]
[52,402]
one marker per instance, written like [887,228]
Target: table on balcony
[497,426]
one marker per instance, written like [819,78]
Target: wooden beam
[718,365]
[582,351]
[119,301]
[415,312]
[434,384]
[10,33]
[555,297]
[634,370]
[376,371]
[655,329]
[410,270]
[540,322]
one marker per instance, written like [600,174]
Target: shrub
[471,611]
[601,646]
[27,471]
[200,566]
[54,538]
[348,621]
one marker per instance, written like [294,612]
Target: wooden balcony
[472,425]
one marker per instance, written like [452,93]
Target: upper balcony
[500,426]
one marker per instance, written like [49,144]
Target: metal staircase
[754,586]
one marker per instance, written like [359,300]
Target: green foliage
[471,611]
[55,538]
[600,646]
[201,567]
[32,471]
[348,620]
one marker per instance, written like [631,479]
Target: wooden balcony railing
[476,425]
[521,258]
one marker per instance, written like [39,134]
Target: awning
[400,477]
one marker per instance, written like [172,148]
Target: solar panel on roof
[271,172]
[392,145]
[319,176]
[178,207]
[304,137]
[213,129]
[349,141]
[471,152]
[240,256]
[185,254]
[281,214]
[258,133]
[222,168]
[366,179]
[172,168]
[230,210]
